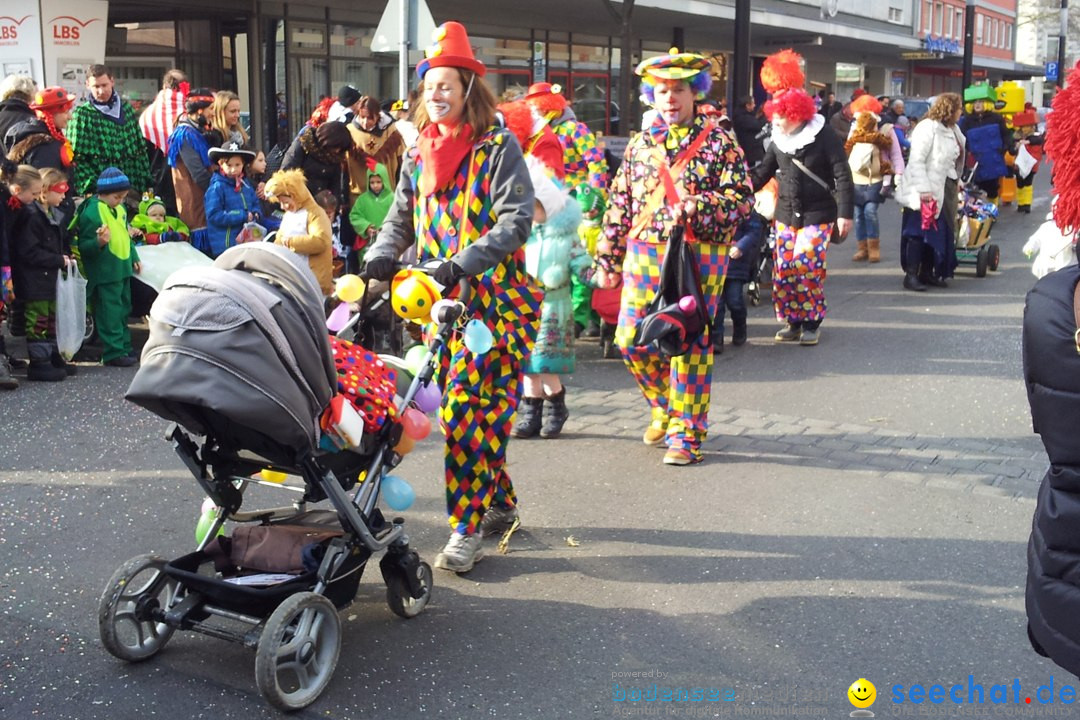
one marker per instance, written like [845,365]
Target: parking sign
[1052,71]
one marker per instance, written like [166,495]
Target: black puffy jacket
[38,245]
[1052,377]
[801,200]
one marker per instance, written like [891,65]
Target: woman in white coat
[936,161]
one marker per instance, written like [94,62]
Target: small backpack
[864,156]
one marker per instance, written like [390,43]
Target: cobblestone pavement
[961,464]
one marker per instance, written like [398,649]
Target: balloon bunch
[348,289]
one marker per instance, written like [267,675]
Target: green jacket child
[109,258]
[371,206]
[156,226]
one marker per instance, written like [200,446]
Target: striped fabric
[159,118]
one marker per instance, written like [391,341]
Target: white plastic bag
[70,311]
[1025,161]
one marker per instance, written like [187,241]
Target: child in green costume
[156,226]
[370,208]
[110,259]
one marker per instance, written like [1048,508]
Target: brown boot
[861,252]
[875,249]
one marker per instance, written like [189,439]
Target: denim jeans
[734,299]
[867,198]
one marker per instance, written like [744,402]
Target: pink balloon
[339,318]
[428,398]
[687,303]
[417,425]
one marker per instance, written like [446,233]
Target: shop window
[307,36]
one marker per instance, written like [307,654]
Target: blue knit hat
[112,180]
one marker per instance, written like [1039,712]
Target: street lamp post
[1063,37]
[969,41]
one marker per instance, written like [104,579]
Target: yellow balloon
[349,288]
[272,475]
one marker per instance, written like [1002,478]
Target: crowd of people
[514,198]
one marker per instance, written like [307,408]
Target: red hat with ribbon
[451,48]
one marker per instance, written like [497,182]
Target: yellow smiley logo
[862,693]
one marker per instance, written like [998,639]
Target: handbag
[834,238]
[676,318]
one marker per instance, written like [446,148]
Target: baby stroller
[239,360]
[975,219]
[606,304]
[761,269]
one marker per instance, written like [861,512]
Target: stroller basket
[260,601]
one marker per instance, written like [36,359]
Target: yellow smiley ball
[862,693]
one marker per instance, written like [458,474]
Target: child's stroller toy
[976,218]
[239,359]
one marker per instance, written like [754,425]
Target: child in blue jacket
[230,199]
[743,256]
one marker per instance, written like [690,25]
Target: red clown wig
[1063,146]
[782,71]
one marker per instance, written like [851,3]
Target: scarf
[442,155]
[111,109]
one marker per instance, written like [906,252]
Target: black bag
[668,326]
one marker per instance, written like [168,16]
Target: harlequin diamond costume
[705,164]
[107,135]
[465,197]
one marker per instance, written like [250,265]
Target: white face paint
[437,110]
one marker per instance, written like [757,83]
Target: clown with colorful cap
[815,197]
[684,169]
[469,204]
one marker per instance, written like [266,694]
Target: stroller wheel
[994,256]
[753,294]
[400,599]
[298,651]
[135,590]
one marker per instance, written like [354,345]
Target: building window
[939,13]
[978,29]
[1008,36]
[1001,24]
[959,24]
[896,15]
[928,12]
[948,23]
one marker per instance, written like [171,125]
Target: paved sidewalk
[960,464]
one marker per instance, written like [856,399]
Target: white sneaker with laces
[460,554]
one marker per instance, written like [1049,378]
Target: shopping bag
[252,232]
[70,311]
[676,318]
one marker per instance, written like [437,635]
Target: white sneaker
[497,520]
[460,553]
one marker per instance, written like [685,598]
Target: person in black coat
[1052,378]
[320,153]
[810,159]
[16,92]
[747,122]
[39,249]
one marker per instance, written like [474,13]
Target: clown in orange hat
[815,197]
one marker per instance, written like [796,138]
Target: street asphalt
[862,512]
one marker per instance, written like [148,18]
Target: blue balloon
[478,337]
[399,494]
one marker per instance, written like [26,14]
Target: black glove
[448,274]
[380,268]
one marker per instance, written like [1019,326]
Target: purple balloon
[428,398]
